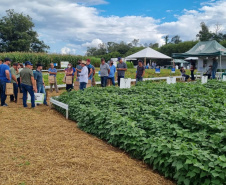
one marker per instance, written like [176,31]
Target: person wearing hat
[14,71]
[111,75]
[121,68]
[140,71]
[40,82]
[83,79]
[5,77]
[28,84]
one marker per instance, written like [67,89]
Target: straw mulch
[39,146]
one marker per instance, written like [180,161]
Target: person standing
[19,69]
[14,71]
[69,71]
[5,77]
[104,72]
[121,68]
[40,82]
[140,71]
[90,69]
[83,79]
[53,72]
[78,69]
[214,67]
[112,73]
[192,69]
[28,84]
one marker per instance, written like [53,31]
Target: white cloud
[66,50]
[75,25]
[94,43]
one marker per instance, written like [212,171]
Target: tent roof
[205,48]
[181,61]
[148,53]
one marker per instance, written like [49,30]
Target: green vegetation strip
[180,129]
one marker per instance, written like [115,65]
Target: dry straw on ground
[41,147]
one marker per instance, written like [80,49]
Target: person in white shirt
[83,80]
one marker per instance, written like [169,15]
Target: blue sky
[70,26]
[158,9]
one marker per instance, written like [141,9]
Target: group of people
[85,72]
[211,72]
[24,80]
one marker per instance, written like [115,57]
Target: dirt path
[41,147]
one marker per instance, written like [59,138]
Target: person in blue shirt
[53,72]
[112,72]
[90,69]
[40,82]
[5,77]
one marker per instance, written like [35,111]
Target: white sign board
[204,79]
[224,78]
[64,64]
[125,83]
[39,98]
[171,80]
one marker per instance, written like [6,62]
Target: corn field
[46,59]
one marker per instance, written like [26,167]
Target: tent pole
[145,63]
[220,63]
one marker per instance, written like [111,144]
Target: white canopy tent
[148,53]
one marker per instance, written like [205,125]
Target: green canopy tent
[204,49]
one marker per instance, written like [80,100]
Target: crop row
[178,129]
[46,59]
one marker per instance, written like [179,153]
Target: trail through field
[39,146]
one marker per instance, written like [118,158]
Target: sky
[70,26]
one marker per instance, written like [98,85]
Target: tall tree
[17,34]
[204,34]
[176,39]
[166,38]
[135,42]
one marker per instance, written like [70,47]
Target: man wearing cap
[14,72]
[40,82]
[104,72]
[83,79]
[112,73]
[28,84]
[121,68]
[53,72]
[5,77]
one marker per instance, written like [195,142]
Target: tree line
[172,45]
